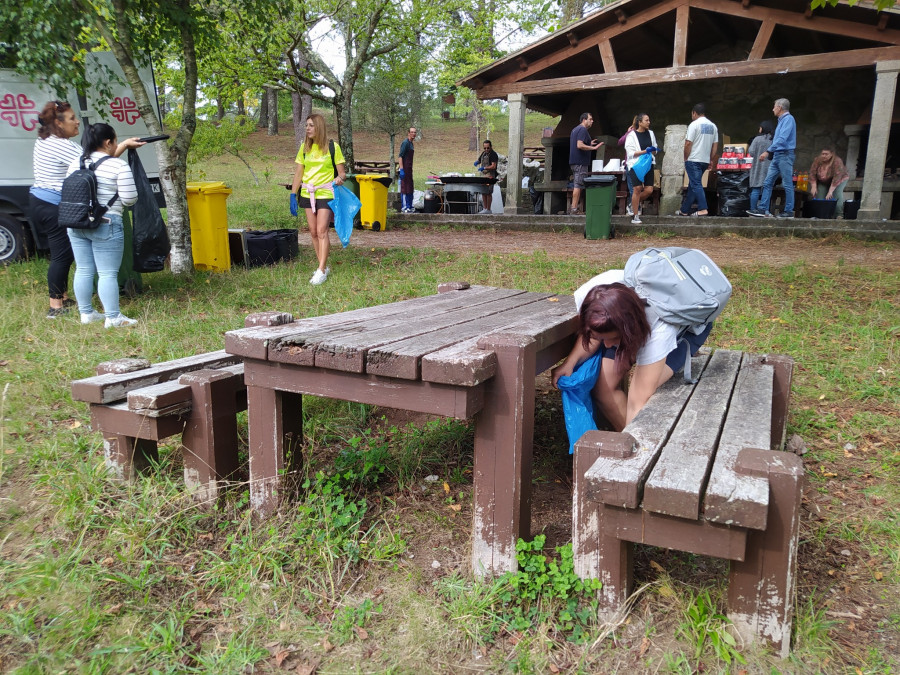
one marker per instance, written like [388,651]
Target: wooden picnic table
[465,352]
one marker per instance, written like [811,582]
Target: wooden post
[761,589]
[503,443]
[210,436]
[276,431]
[126,456]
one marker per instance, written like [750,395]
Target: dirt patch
[728,250]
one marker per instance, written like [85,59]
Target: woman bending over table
[316,175]
[616,322]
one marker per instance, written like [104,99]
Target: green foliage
[348,619]
[704,625]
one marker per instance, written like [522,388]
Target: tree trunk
[299,120]
[474,117]
[241,110]
[263,109]
[272,96]
[343,114]
[220,108]
[306,109]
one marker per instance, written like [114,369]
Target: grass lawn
[367,571]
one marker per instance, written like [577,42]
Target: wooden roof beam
[857,58]
[621,17]
[819,23]
[609,59]
[762,40]
[572,38]
[679,50]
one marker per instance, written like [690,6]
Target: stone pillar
[879,134]
[854,144]
[515,153]
[672,171]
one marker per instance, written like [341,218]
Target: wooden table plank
[733,498]
[675,485]
[349,352]
[402,358]
[115,386]
[258,342]
[619,481]
[467,364]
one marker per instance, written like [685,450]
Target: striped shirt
[113,175]
[52,157]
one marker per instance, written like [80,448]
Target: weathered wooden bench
[135,405]
[699,470]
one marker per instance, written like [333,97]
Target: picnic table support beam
[210,437]
[127,456]
[503,445]
[761,589]
[276,433]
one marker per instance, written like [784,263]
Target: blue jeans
[754,197]
[694,171]
[782,165]
[98,252]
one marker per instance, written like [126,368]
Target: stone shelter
[837,65]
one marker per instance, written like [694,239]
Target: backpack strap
[93,169]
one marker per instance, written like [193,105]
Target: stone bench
[699,470]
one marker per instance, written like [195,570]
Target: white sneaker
[484,212]
[93,317]
[318,278]
[636,220]
[629,211]
[120,321]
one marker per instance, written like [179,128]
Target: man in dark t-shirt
[580,148]
[487,161]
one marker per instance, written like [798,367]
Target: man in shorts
[580,148]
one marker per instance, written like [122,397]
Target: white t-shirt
[113,175]
[702,134]
[663,336]
[52,157]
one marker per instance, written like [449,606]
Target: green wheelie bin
[600,194]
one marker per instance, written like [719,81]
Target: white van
[21,100]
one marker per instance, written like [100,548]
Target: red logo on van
[19,110]
[124,109]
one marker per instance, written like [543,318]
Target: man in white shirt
[700,147]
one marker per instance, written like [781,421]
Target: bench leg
[210,440]
[276,432]
[761,589]
[504,431]
[127,456]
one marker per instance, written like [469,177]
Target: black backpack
[79,208]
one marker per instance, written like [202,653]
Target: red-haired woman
[316,172]
[54,151]
[614,319]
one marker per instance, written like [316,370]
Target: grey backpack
[683,286]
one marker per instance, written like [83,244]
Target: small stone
[849,446]
[846,553]
[797,445]
[431,479]
[435,564]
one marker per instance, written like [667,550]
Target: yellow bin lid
[208,187]
[370,176]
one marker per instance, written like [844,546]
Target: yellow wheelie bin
[373,194]
[209,225]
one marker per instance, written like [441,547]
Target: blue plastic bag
[578,406]
[345,206]
[642,166]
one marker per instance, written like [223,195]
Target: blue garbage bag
[578,406]
[345,206]
[642,166]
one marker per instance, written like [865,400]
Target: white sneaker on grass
[120,321]
[93,317]
[318,278]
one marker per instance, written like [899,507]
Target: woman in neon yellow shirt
[316,173]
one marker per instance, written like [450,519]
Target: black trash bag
[151,241]
[537,198]
[267,247]
[733,190]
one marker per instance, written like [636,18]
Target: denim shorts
[676,358]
